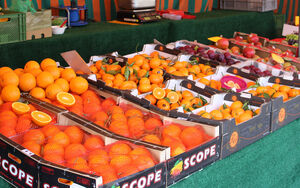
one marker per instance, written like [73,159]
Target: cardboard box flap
[76,62]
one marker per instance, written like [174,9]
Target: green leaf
[196,48]
[266,95]
[103,68]
[147,74]
[149,58]
[167,99]
[126,73]
[193,62]
[203,99]
[135,73]
[254,113]
[113,72]
[246,106]
[115,63]
[130,65]
[224,106]
[105,60]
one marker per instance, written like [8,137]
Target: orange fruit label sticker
[281,115]
[234,138]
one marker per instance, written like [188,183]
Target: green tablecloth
[273,161]
[101,38]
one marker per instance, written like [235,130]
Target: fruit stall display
[283,49]
[175,107]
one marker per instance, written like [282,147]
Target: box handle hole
[14,158]
[65,181]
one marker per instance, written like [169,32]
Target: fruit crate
[249,5]
[12,27]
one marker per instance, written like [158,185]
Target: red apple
[238,38]
[222,43]
[248,52]
[253,38]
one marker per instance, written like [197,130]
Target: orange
[278,94]
[155,63]
[216,114]
[9,78]
[276,86]
[144,81]
[163,104]
[35,72]
[127,170]
[257,111]
[120,160]
[98,152]
[52,90]
[27,82]
[54,149]
[226,115]
[236,104]
[4,70]
[38,93]
[96,161]
[159,93]
[285,89]
[119,127]
[146,66]
[20,108]
[144,88]
[31,65]
[158,71]
[151,138]
[250,84]
[116,110]
[134,113]
[138,60]
[171,70]
[40,118]
[151,98]
[184,71]
[108,173]
[92,68]
[244,117]
[178,65]
[54,71]
[10,93]
[225,108]
[19,71]
[142,73]
[261,89]
[33,147]
[176,145]
[68,74]
[66,99]
[153,123]
[237,112]
[98,64]
[139,151]
[57,159]
[136,126]
[253,92]
[143,162]
[47,62]
[44,79]
[173,97]
[35,135]
[93,142]
[187,94]
[23,123]
[75,150]
[118,117]
[60,138]
[156,78]
[7,131]
[192,137]
[293,92]
[75,134]
[119,148]
[171,130]
[78,163]
[50,130]
[78,85]
[249,112]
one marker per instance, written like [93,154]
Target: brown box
[39,33]
[39,20]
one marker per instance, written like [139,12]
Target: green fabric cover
[273,161]
[101,38]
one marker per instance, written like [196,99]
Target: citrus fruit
[9,78]
[68,74]
[27,82]
[31,65]
[20,108]
[66,99]
[33,147]
[54,71]
[47,62]
[78,85]
[10,93]
[44,79]
[35,135]
[40,118]
[159,93]
[38,93]
[52,90]
[173,97]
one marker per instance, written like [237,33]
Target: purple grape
[247,67]
[221,57]
[230,62]
[212,56]
[210,51]
[227,55]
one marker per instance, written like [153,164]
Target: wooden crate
[39,20]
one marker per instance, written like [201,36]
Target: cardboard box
[262,40]
[283,112]
[39,33]
[38,20]
[237,136]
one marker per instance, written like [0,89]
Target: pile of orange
[167,99]
[71,147]
[42,81]
[16,118]
[142,71]
[241,112]
[184,68]
[275,91]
